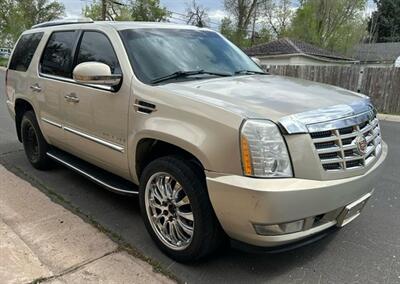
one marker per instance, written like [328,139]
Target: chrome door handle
[36,88]
[71,98]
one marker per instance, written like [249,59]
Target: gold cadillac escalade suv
[214,147]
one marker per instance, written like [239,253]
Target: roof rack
[67,21]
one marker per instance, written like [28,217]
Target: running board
[103,178]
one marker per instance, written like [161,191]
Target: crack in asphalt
[73,268]
[11,152]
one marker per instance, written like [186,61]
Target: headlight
[264,152]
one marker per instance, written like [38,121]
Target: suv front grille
[338,151]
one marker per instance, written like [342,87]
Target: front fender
[203,138]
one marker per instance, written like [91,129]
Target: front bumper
[241,202]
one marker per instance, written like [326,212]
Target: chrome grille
[337,150]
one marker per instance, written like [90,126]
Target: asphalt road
[366,251]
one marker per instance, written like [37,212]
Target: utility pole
[103,9]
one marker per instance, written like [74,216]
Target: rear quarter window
[57,58]
[24,51]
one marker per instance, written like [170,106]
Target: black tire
[35,145]
[207,233]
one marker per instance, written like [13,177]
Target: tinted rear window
[24,51]
[57,57]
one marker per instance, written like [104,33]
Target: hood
[265,96]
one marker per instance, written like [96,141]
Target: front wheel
[177,211]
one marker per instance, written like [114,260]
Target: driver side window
[95,46]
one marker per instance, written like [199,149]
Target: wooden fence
[381,84]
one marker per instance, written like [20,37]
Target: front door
[96,117]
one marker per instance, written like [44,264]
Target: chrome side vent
[144,107]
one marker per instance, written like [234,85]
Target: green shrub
[3,62]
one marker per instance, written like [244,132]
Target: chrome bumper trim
[341,123]
[338,116]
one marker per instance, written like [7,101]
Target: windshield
[157,53]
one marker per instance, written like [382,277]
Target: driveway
[366,251]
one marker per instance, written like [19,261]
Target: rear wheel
[35,145]
[177,211]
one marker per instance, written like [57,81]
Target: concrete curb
[389,117]
[41,241]
[2,69]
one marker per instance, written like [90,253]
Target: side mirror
[95,73]
[256,61]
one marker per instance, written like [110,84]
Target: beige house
[287,51]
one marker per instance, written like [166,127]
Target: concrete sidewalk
[389,117]
[40,241]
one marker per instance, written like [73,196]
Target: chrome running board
[103,178]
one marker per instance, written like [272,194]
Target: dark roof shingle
[292,46]
[377,52]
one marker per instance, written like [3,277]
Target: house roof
[286,46]
[377,52]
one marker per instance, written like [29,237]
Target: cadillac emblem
[361,144]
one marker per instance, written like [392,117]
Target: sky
[74,7]
[215,8]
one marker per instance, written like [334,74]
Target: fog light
[279,229]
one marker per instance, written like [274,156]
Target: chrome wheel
[169,212]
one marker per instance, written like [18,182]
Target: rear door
[55,78]
[96,120]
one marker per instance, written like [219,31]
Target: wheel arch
[21,106]
[150,147]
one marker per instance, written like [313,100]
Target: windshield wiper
[182,74]
[249,72]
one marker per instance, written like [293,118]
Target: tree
[227,28]
[5,26]
[132,10]
[278,14]
[93,11]
[148,10]
[242,12]
[384,24]
[335,25]
[115,11]
[267,18]
[263,35]
[197,15]
[17,16]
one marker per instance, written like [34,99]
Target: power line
[104,8]
[183,15]
[178,19]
